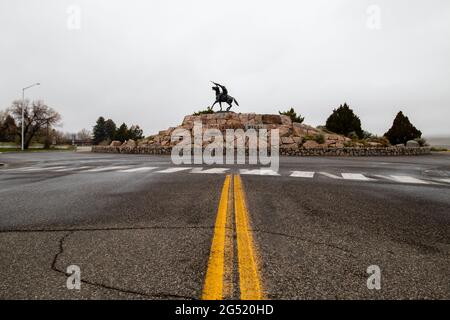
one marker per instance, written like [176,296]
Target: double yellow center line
[217,284]
[214,281]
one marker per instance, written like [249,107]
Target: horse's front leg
[213,104]
[220,104]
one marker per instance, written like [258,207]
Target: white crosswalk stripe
[140,169]
[446,180]
[172,170]
[302,174]
[110,168]
[18,169]
[329,175]
[210,171]
[379,176]
[403,179]
[408,179]
[355,176]
[259,172]
[41,168]
[71,169]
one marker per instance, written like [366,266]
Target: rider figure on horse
[223,96]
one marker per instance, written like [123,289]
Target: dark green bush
[402,130]
[344,121]
[319,138]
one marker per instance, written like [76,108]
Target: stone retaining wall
[352,152]
[358,152]
[136,150]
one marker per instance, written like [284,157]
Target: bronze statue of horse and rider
[223,97]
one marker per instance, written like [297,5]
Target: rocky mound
[292,135]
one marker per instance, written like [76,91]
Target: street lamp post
[23,112]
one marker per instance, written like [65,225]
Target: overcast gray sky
[149,62]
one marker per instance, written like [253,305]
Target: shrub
[344,121]
[439,149]
[352,135]
[208,110]
[367,135]
[319,138]
[421,141]
[383,140]
[293,115]
[402,130]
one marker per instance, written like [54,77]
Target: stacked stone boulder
[295,138]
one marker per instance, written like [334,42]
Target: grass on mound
[439,149]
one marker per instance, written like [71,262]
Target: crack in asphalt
[108,287]
[306,240]
[60,251]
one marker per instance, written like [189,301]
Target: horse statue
[223,96]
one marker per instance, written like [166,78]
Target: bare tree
[37,116]
[84,135]
[69,137]
[2,116]
[57,137]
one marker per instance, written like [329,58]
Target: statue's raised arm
[224,90]
[222,96]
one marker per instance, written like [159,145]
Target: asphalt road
[139,233]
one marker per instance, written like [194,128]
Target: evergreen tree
[122,133]
[110,129]
[135,132]
[344,121]
[99,131]
[293,115]
[402,130]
